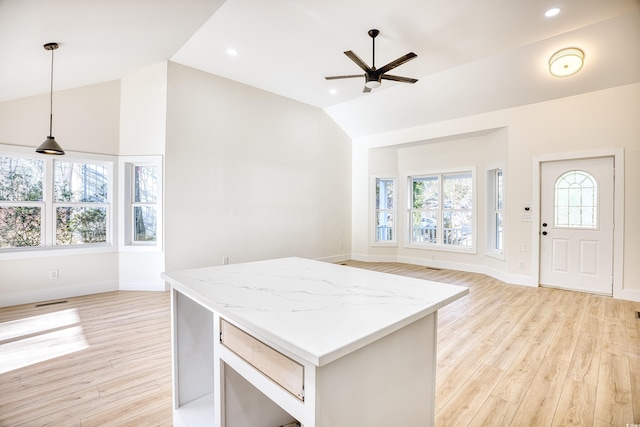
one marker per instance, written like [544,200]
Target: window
[142,196]
[495,214]
[442,202]
[47,203]
[81,203]
[385,230]
[576,200]
[21,202]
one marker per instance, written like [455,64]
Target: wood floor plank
[450,380]
[517,379]
[613,398]
[585,363]
[466,403]
[634,376]
[541,399]
[494,412]
[576,404]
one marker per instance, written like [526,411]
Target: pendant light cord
[51,98]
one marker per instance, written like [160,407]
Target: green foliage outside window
[20,222]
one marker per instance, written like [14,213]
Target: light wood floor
[507,355]
[116,370]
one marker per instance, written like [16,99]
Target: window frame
[376,210]
[48,210]
[493,210]
[440,210]
[126,210]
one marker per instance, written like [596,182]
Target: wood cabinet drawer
[284,371]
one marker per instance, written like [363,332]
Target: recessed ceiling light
[333,91]
[232,52]
[552,12]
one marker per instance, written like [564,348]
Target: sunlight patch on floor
[35,339]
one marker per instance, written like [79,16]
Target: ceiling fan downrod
[373,34]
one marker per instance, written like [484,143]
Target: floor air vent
[637,314]
[48,303]
[433,268]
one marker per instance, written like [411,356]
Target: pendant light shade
[50,146]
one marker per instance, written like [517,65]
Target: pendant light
[50,146]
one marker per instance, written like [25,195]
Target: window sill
[6,254]
[495,254]
[385,244]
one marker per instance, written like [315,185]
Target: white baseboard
[512,279]
[49,294]
[156,285]
[335,258]
[628,294]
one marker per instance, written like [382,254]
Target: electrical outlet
[521,265]
[53,275]
[225,260]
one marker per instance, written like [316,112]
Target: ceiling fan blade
[366,90]
[399,79]
[393,64]
[344,77]
[355,58]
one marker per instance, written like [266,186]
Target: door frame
[618,211]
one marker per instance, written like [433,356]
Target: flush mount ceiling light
[566,62]
[50,146]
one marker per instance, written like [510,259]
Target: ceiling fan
[372,75]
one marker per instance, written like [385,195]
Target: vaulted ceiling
[474,56]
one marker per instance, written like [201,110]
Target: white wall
[602,120]
[143,123]
[251,175]
[84,119]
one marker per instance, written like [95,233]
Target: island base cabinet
[192,340]
[390,382]
[246,406]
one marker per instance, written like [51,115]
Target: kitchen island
[269,343]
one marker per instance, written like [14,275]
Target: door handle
[544,233]
[544,224]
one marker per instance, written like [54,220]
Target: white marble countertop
[315,310]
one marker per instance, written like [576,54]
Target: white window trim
[474,211]
[125,164]
[491,251]
[48,223]
[372,228]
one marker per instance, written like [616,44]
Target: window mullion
[49,229]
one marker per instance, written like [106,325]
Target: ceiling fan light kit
[50,146]
[566,62]
[373,77]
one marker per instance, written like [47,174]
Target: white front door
[576,224]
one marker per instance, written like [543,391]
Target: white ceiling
[473,55]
